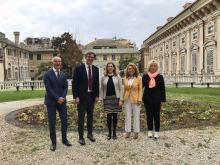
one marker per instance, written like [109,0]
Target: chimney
[17,34]
[159,27]
[169,19]
[187,5]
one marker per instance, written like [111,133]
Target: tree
[42,68]
[124,62]
[70,52]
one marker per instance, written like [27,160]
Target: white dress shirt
[55,71]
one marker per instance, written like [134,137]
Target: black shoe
[53,147]
[91,138]
[114,137]
[109,137]
[66,143]
[82,141]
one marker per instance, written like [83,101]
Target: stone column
[178,55]
[200,55]
[217,64]
[188,53]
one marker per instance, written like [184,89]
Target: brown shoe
[127,135]
[135,136]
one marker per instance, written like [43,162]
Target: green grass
[22,95]
[206,95]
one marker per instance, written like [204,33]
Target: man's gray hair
[55,58]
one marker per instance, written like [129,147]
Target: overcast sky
[86,19]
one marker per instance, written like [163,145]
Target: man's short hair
[90,53]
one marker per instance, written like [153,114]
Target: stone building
[111,50]
[41,51]
[187,47]
[13,59]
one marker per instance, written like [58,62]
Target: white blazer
[118,87]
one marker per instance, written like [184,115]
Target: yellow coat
[134,92]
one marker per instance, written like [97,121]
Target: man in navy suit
[85,88]
[55,99]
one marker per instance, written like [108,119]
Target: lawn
[22,95]
[206,95]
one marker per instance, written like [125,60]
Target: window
[167,64]
[9,51]
[105,57]
[54,54]
[195,35]
[194,62]
[182,63]
[30,56]
[210,29]
[174,43]
[167,46]
[32,71]
[113,57]
[209,57]
[9,72]
[173,64]
[38,56]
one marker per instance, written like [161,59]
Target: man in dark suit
[85,87]
[56,90]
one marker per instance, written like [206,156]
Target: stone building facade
[187,47]
[111,50]
[41,51]
[14,62]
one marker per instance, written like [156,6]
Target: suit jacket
[134,92]
[55,87]
[118,86]
[154,95]
[80,82]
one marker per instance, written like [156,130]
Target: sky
[86,19]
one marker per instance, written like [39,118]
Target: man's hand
[97,99]
[61,100]
[76,101]
[161,105]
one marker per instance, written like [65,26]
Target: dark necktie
[58,74]
[90,78]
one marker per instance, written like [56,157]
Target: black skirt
[111,104]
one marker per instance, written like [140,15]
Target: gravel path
[21,146]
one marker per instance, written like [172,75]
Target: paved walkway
[31,146]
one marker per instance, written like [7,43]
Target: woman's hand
[139,103]
[120,103]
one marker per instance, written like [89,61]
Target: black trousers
[62,110]
[85,106]
[153,116]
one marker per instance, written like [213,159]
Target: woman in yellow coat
[132,99]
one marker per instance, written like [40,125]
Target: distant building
[111,50]
[187,47]
[41,51]
[14,57]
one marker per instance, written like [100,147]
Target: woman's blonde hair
[136,73]
[115,71]
[152,62]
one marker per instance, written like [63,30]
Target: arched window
[210,56]
[209,60]
[194,58]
